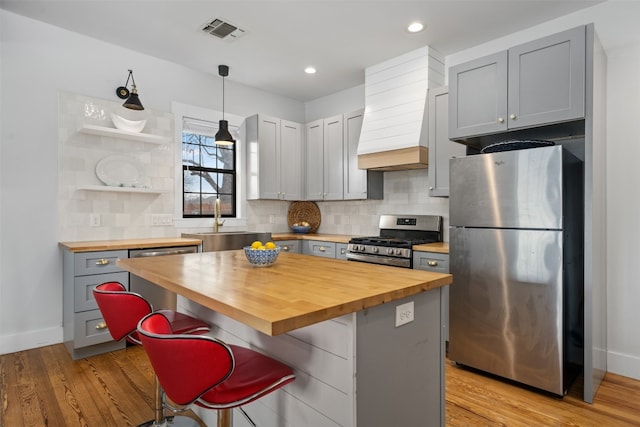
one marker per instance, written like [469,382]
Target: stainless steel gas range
[398,234]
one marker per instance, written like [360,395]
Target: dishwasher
[158,296]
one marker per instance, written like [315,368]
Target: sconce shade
[223,136]
[132,100]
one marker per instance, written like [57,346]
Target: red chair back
[121,310]
[187,366]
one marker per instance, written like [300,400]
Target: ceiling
[340,38]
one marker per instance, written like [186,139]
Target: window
[208,171]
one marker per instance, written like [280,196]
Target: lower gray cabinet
[292,246]
[85,332]
[319,248]
[341,251]
[439,263]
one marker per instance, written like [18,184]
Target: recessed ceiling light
[310,70]
[415,27]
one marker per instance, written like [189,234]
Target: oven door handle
[395,262]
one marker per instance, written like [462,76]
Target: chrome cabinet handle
[500,120]
[343,251]
[102,261]
[512,117]
[432,263]
[285,248]
[101,325]
[322,249]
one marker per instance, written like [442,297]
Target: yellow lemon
[270,245]
[261,248]
[256,244]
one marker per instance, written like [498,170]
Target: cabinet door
[333,158]
[441,148]
[315,160]
[547,80]
[319,248]
[290,161]
[478,96]
[355,180]
[268,157]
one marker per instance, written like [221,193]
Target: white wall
[37,62]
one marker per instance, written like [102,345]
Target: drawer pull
[343,251]
[102,261]
[432,263]
[285,248]
[322,249]
[101,325]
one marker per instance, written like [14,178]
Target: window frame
[180,112]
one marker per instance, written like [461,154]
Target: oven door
[380,259]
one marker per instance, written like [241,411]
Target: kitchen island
[329,319]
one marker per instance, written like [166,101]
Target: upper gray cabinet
[441,148]
[358,183]
[324,177]
[274,158]
[533,84]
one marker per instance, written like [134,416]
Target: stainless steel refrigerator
[516,253]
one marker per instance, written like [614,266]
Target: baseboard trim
[627,365]
[30,339]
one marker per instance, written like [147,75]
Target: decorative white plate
[120,171]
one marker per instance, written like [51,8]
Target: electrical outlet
[404,314]
[94,220]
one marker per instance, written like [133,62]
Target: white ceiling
[339,38]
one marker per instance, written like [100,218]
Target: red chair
[122,310]
[201,370]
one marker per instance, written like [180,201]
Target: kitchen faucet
[216,213]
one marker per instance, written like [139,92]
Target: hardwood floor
[44,387]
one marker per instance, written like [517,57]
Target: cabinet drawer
[292,246]
[323,249]
[341,251]
[87,263]
[84,285]
[90,329]
[431,261]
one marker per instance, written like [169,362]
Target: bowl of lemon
[261,255]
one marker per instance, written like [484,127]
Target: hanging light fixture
[223,137]
[132,101]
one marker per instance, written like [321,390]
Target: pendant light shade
[223,136]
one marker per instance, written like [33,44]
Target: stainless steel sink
[225,241]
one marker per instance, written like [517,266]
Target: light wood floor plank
[44,387]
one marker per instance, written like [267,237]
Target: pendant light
[223,137]
[132,100]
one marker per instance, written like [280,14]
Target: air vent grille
[223,29]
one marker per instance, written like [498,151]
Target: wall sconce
[223,137]
[132,101]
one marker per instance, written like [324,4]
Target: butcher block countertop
[296,291]
[111,245]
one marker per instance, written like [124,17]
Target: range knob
[375,250]
[390,251]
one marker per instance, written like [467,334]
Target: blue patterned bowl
[301,229]
[261,257]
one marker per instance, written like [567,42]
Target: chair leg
[160,420]
[224,417]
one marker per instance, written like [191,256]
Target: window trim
[181,111]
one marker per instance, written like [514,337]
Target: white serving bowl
[129,125]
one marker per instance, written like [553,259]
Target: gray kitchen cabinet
[292,246]
[319,248]
[324,159]
[359,184]
[439,263]
[537,83]
[441,148]
[341,251]
[274,158]
[85,332]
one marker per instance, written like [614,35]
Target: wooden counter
[111,245]
[296,291]
[440,247]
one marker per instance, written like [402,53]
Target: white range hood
[394,129]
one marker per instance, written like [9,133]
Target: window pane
[208,204]
[190,154]
[209,182]
[191,181]
[191,204]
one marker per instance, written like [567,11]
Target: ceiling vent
[223,30]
